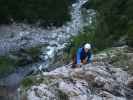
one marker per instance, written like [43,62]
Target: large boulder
[90,82]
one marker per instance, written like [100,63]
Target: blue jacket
[82,55]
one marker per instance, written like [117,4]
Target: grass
[28,81]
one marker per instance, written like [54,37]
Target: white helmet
[87,46]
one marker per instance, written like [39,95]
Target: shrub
[6,65]
[27,82]
[19,59]
[114,18]
[130,36]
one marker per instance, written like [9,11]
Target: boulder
[90,82]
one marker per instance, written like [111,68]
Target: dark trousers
[74,61]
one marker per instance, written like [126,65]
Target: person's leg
[74,61]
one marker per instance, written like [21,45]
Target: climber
[83,56]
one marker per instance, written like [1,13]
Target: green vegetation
[27,82]
[9,63]
[130,36]
[113,20]
[27,56]
[34,80]
[6,65]
[48,12]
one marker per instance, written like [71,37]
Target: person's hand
[84,61]
[94,61]
[79,65]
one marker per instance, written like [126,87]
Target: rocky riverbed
[20,35]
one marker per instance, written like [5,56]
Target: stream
[20,35]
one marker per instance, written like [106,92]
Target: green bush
[49,12]
[114,18]
[130,37]
[19,59]
[6,65]
[113,21]
[89,35]
[27,82]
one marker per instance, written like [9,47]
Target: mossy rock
[29,81]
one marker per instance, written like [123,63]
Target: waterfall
[19,35]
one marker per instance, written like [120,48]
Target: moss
[27,82]
[6,65]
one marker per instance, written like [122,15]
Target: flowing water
[18,35]
[22,35]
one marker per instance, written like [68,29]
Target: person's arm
[78,56]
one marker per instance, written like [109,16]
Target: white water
[16,36]
[20,35]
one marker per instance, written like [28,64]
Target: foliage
[130,36]
[114,17]
[34,80]
[27,82]
[6,65]
[47,11]
[19,59]
[89,35]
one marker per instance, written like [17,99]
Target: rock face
[97,81]
[120,57]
